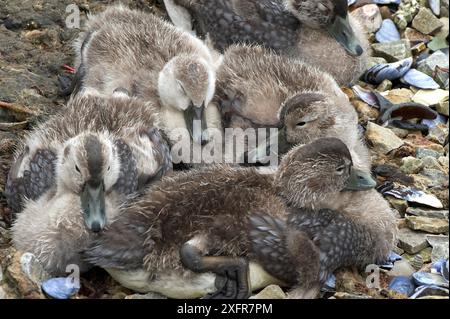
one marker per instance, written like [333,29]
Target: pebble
[437,177]
[406,12]
[426,22]
[416,37]
[411,165]
[398,96]
[438,134]
[440,246]
[270,292]
[431,162]
[384,86]
[412,241]
[430,97]
[382,139]
[442,107]
[431,213]
[427,224]
[428,66]
[424,152]
[370,17]
[401,268]
[393,51]
[418,260]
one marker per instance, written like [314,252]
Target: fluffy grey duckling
[72,172]
[209,221]
[154,61]
[257,88]
[320,32]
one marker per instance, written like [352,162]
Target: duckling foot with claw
[234,272]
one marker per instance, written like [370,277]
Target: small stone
[402,133]
[366,112]
[399,205]
[150,295]
[440,247]
[438,134]
[401,268]
[437,43]
[425,257]
[411,165]
[386,12]
[370,17]
[270,292]
[398,96]
[430,66]
[410,241]
[424,152]
[430,97]
[431,162]
[437,177]
[382,139]
[406,12]
[426,22]
[431,213]
[427,224]
[442,107]
[372,61]
[393,51]
[443,160]
[444,31]
[384,86]
[416,37]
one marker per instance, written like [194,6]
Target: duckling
[257,88]
[320,32]
[209,221]
[72,173]
[155,62]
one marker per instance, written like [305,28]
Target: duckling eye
[109,168]
[301,123]
[77,169]
[340,170]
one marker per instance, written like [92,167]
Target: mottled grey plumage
[107,144]
[36,180]
[228,211]
[297,28]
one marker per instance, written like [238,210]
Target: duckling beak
[93,205]
[196,122]
[359,180]
[343,33]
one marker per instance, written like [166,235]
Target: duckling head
[187,84]
[88,166]
[309,173]
[305,117]
[330,15]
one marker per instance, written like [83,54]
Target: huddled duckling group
[96,185]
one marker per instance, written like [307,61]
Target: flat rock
[427,224]
[401,268]
[430,213]
[430,97]
[416,37]
[382,139]
[425,152]
[440,246]
[393,51]
[430,67]
[369,16]
[442,107]
[398,96]
[438,133]
[270,292]
[424,256]
[426,22]
[411,241]
[437,177]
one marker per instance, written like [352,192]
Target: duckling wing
[229,22]
[122,245]
[127,183]
[36,179]
[268,242]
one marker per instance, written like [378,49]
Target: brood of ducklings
[154,61]
[320,32]
[72,172]
[256,88]
[218,219]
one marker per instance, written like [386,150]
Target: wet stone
[393,51]
[412,241]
